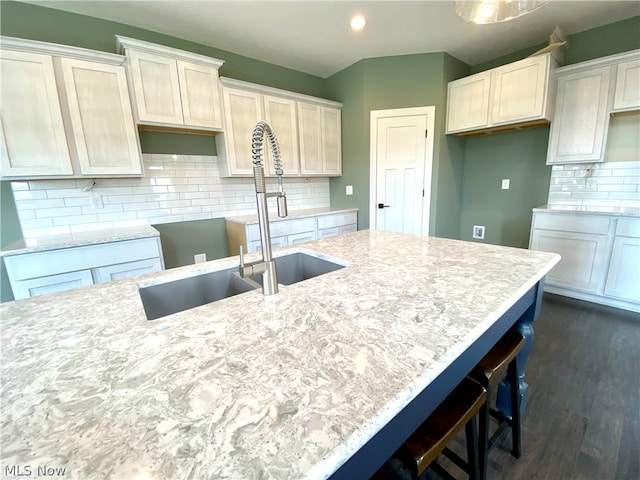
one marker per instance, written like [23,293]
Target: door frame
[428,160]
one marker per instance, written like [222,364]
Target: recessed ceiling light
[358,22]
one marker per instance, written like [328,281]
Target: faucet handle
[241,258]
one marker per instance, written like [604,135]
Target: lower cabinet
[51,271]
[290,231]
[600,256]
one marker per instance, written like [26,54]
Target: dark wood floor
[582,419]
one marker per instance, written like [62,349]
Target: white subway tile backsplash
[175,188]
[607,184]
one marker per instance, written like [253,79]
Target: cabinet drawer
[337,220]
[628,227]
[54,262]
[126,270]
[282,228]
[51,284]
[572,223]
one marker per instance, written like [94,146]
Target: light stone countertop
[78,239]
[273,216]
[591,210]
[250,387]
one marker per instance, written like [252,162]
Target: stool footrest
[455,458]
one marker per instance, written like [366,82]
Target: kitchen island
[326,378]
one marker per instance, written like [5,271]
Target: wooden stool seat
[500,360]
[458,410]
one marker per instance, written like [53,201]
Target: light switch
[349,189]
[505,184]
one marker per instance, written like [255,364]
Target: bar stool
[501,359]
[422,448]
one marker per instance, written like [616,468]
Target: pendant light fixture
[494,11]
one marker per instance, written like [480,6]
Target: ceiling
[314,36]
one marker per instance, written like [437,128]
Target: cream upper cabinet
[581,119]
[281,115]
[627,93]
[242,111]
[173,88]
[587,94]
[320,140]
[307,128]
[65,113]
[33,136]
[103,132]
[519,93]
[468,103]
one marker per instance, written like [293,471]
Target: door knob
[382,205]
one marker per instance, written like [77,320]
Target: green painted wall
[521,156]
[9,233]
[398,82]
[181,241]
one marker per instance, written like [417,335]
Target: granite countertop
[273,216]
[78,239]
[250,387]
[591,210]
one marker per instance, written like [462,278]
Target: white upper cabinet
[33,136]
[627,94]
[468,103]
[307,128]
[242,111]
[581,118]
[173,88]
[65,113]
[103,132]
[515,94]
[587,93]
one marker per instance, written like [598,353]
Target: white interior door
[401,157]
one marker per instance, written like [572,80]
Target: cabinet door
[301,238]
[468,103]
[281,115]
[104,134]
[200,94]
[624,269]
[243,110]
[126,270]
[310,128]
[331,141]
[581,118]
[627,96]
[51,284]
[33,140]
[156,87]
[584,258]
[519,90]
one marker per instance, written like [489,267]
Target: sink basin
[296,267]
[178,295]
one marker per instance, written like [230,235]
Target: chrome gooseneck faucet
[267,267]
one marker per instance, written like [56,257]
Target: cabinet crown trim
[600,62]
[254,87]
[57,50]
[124,43]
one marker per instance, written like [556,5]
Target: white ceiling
[314,36]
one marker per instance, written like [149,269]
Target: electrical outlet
[96,200]
[200,258]
[505,183]
[349,190]
[478,232]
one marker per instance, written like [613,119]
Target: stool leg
[515,408]
[483,445]
[473,457]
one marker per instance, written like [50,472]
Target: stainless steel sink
[296,267]
[178,295]
[172,297]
